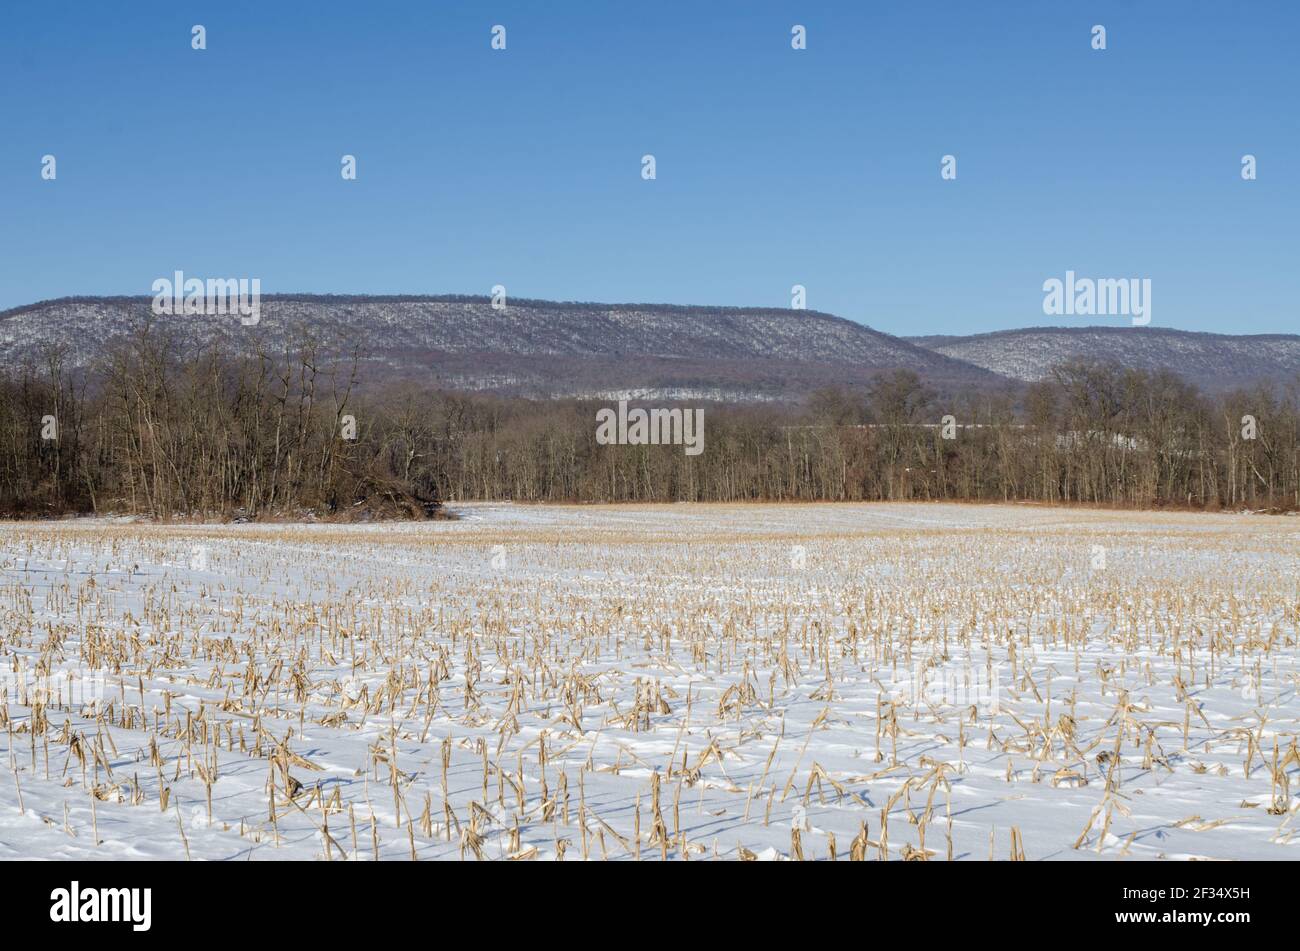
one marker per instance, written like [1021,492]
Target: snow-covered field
[875,681]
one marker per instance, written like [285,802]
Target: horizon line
[739,308]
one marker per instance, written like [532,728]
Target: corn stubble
[656,684]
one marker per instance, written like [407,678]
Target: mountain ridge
[530,347]
[545,349]
[1213,361]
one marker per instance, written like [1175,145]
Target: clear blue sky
[775,167]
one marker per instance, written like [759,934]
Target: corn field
[885,682]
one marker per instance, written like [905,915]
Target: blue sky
[775,167]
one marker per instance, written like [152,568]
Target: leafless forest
[228,434]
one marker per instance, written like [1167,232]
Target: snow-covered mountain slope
[1212,361]
[538,348]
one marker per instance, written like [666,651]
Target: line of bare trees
[257,435]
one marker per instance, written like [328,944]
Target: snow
[761,646]
[1214,362]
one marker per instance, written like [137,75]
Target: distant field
[889,681]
